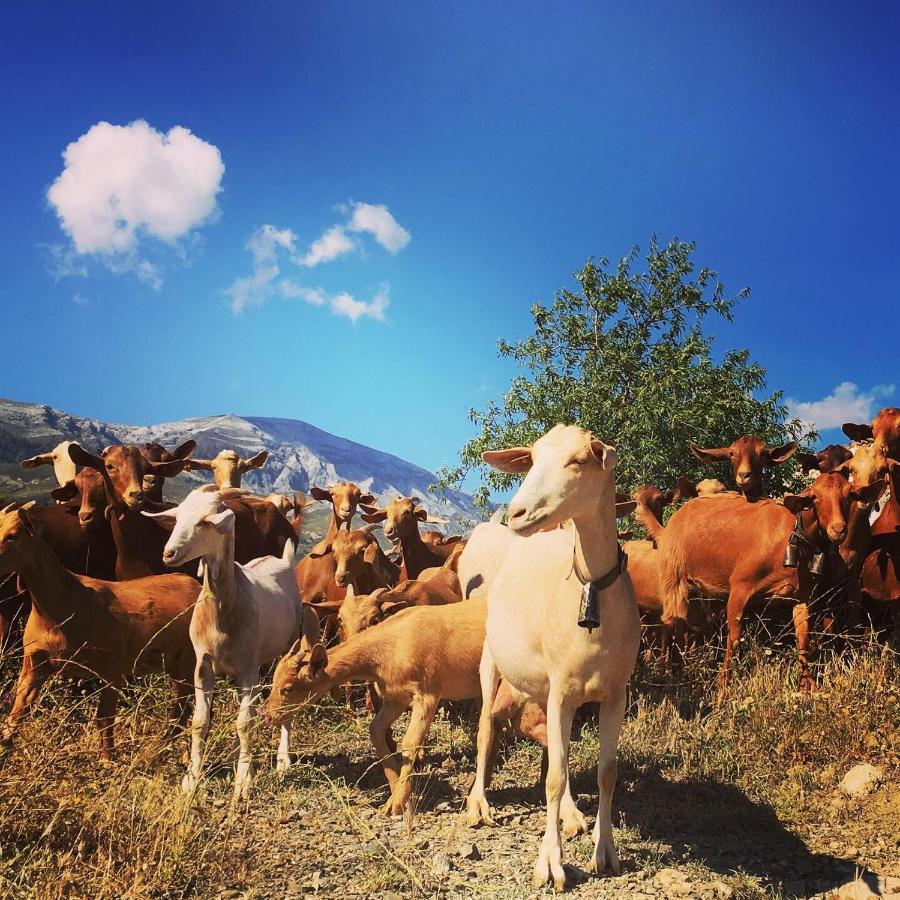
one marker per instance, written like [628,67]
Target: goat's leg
[106,719]
[800,614]
[609,724]
[734,611]
[478,809]
[283,759]
[204,681]
[559,728]
[570,816]
[421,717]
[383,742]
[35,670]
[249,691]
[179,705]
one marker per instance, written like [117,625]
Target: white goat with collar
[533,639]
[245,617]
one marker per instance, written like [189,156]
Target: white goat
[245,617]
[533,639]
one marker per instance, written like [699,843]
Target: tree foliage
[628,356]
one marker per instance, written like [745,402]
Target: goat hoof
[573,823]
[605,858]
[283,764]
[478,812]
[189,782]
[549,868]
[393,809]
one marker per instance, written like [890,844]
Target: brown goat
[724,549]
[826,460]
[401,519]
[94,628]
[358,561]
[884,432]
[156,453]
[748,456]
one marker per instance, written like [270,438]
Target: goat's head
[357,613]
[344,498]
[748,456]
[656,500]
[17,533]
[352,551]
[199,526]
[866,465]
[298,672]
[88,484]
[124,468]
[401,517]
[830,497]
[568,473]
[153,483]
[63,467]
[228,467]
[825,460]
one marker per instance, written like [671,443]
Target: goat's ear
[389,607]
[310,629]
[66,492]
[625,509]
[797,502]
[81,457]
[781,454]
[255,462]
[42,459]
[371,552]
[183,451]
[857,432]
[320,493]
[318,659]
[165,519]
[422,515]
[711,454]
[377,515]
[868,494]
[320,550]
[670,497]
[605,454]
[168,469]
[221,521]
[515,460]
[366,500]
[196,465]
[807,461]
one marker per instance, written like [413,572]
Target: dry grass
[70,828]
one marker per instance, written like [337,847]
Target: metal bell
[817,564]
[589,612]
[791,556]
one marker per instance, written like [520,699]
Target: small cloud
[80,300]
[353,309]
[333,243]
[124,184]
[263,244]
[377,221]
[63,261]
[293,291]
[846,403]
[265,241]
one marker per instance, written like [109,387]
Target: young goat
[245,617]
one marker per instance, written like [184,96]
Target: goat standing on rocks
[533,638]
[245,617]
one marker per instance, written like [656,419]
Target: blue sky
[508,142]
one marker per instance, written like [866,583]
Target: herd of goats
[536,617]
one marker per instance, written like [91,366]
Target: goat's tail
[673,587]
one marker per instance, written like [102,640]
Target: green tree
[626,356]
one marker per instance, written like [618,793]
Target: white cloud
[264,244]
[265,241]
[80,300]
[293,291]
[377,221]
[353,309]
[334,243]
[846,403]
[122,184]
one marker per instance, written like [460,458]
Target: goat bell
[817,564]
[589,612]
[791,556]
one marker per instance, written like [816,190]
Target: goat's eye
[110,467]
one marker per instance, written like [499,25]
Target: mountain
[300,454]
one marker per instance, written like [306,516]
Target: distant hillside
[300,455]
